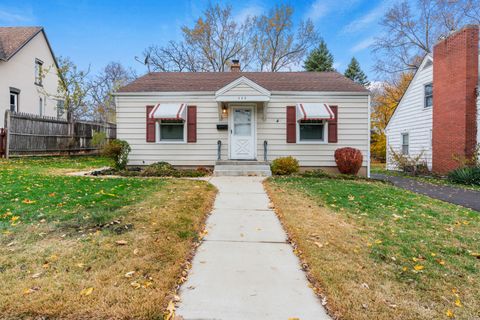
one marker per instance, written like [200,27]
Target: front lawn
[379,252]
[102,248]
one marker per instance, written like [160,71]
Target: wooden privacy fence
[28,134]
[3,143]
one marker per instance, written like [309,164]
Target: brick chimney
[235,66]
[455,79]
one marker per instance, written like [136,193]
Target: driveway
[466,198]
[245,269]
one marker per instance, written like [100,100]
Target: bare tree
[218,38]
[210,45]
[102,87]
[410,33]
[73,89]
[278,45]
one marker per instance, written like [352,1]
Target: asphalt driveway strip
[463,197]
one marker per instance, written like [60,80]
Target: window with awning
[169,111]
[314,111]
[311,121]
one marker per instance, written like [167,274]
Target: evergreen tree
[320,59]
[355,73]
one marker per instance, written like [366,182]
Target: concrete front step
[240,162]
[240,168]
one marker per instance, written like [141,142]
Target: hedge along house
[239,121]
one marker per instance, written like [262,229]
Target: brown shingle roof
[13,39]
[272,81]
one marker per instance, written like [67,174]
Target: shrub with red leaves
[349,160]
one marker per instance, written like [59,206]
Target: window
[311,131]
[405,143]
[38,72]
[60,109]
[428,92]
[14,94]
[171,130]
[40,107]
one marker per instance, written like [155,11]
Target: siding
[19,72]
[413,118]
[352,130]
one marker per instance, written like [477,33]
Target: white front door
[242,133]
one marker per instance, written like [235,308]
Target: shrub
[465,175]
[118,151]
[413,165]
[349,160]
[165,169]
[159,169]
[284,166]
[316,173]
[99,138]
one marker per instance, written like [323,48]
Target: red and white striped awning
[169,111]
[314,111]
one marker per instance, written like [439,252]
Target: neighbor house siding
[413,118]
[352,130]
[19,73]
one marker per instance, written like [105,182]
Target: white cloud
[367,19]
[249,11]
[8,16]
[320,8]
[362,45]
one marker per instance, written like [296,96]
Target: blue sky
[97,32]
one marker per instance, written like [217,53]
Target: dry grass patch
[122,270]
[365,262]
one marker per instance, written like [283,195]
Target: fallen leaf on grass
[135,252]
[449,313]
[27,201]
[86,291]
[170,311]
[135,284]
[30,290]
[121,242]
[36,275]
[458,303]
[129,274]
[418,267]
[318,244]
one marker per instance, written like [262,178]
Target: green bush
[118,151]
[165,169]
[465,175]
[316,173]
[99,138]
[285,166]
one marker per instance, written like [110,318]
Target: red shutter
[192,124]
[333,126]
[291,124]
[150,125]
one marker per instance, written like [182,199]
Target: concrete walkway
[463,197]
[245,269]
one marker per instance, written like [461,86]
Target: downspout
[369,133]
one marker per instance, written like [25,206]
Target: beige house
[28,74]
[221,118]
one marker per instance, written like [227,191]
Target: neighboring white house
[438,116]
[28,74]
[409,130]
[182,117]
